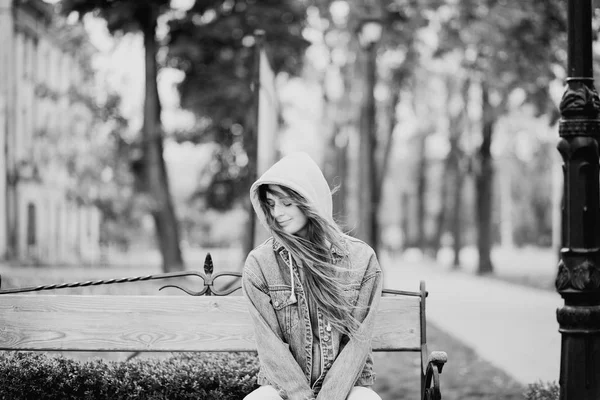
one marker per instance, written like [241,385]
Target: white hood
[300,173]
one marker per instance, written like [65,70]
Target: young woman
[312,291]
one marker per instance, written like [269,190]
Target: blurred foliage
[103,176]
[531,185]
[122,16]
[509,44]
[212,228]
[517,49]
[543,391]
[92,153]
[149,169]
[213,43]
[506,48]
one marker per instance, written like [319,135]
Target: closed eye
[285,203]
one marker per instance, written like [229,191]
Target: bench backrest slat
[164,323]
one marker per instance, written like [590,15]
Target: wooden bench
[204,322]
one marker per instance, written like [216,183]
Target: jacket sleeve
[278,363]
[349,364]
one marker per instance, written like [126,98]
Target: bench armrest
[438,359]
[431,383]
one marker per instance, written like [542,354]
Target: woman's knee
[362,393]
[264,393]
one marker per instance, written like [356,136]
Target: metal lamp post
[369,34]
[578,278]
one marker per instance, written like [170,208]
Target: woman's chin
[300,232]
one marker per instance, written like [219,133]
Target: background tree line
[465,105]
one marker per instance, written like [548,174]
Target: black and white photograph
[299,200]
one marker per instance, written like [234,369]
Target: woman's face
[289,216]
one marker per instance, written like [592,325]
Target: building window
[59,230]
[31,225]
[23,54]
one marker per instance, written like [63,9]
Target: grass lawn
[534,267]
[465,376]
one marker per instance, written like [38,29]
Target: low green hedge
[202,376]
[197,376]
[543,391]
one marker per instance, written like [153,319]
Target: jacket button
[276,304]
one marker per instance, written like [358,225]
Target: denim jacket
[283,329]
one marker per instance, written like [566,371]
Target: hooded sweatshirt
[298,349]
[300,173]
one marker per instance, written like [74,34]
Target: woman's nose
[277,210]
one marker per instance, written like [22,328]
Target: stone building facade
[43,115]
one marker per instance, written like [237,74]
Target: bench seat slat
[164,323]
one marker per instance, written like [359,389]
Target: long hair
[322,282]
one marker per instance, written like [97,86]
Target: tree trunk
[506,206]
[380,170]
[335,146]
[342,195]
[405,221]
[251,147]
[337,172]
[440,218]
[389,142]
[483,183]
[421,191]
[251,150]
[458,123]
[457,216]
[369,143]
[154,170]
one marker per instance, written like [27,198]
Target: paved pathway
[511,326]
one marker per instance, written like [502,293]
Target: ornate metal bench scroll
[207,277]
